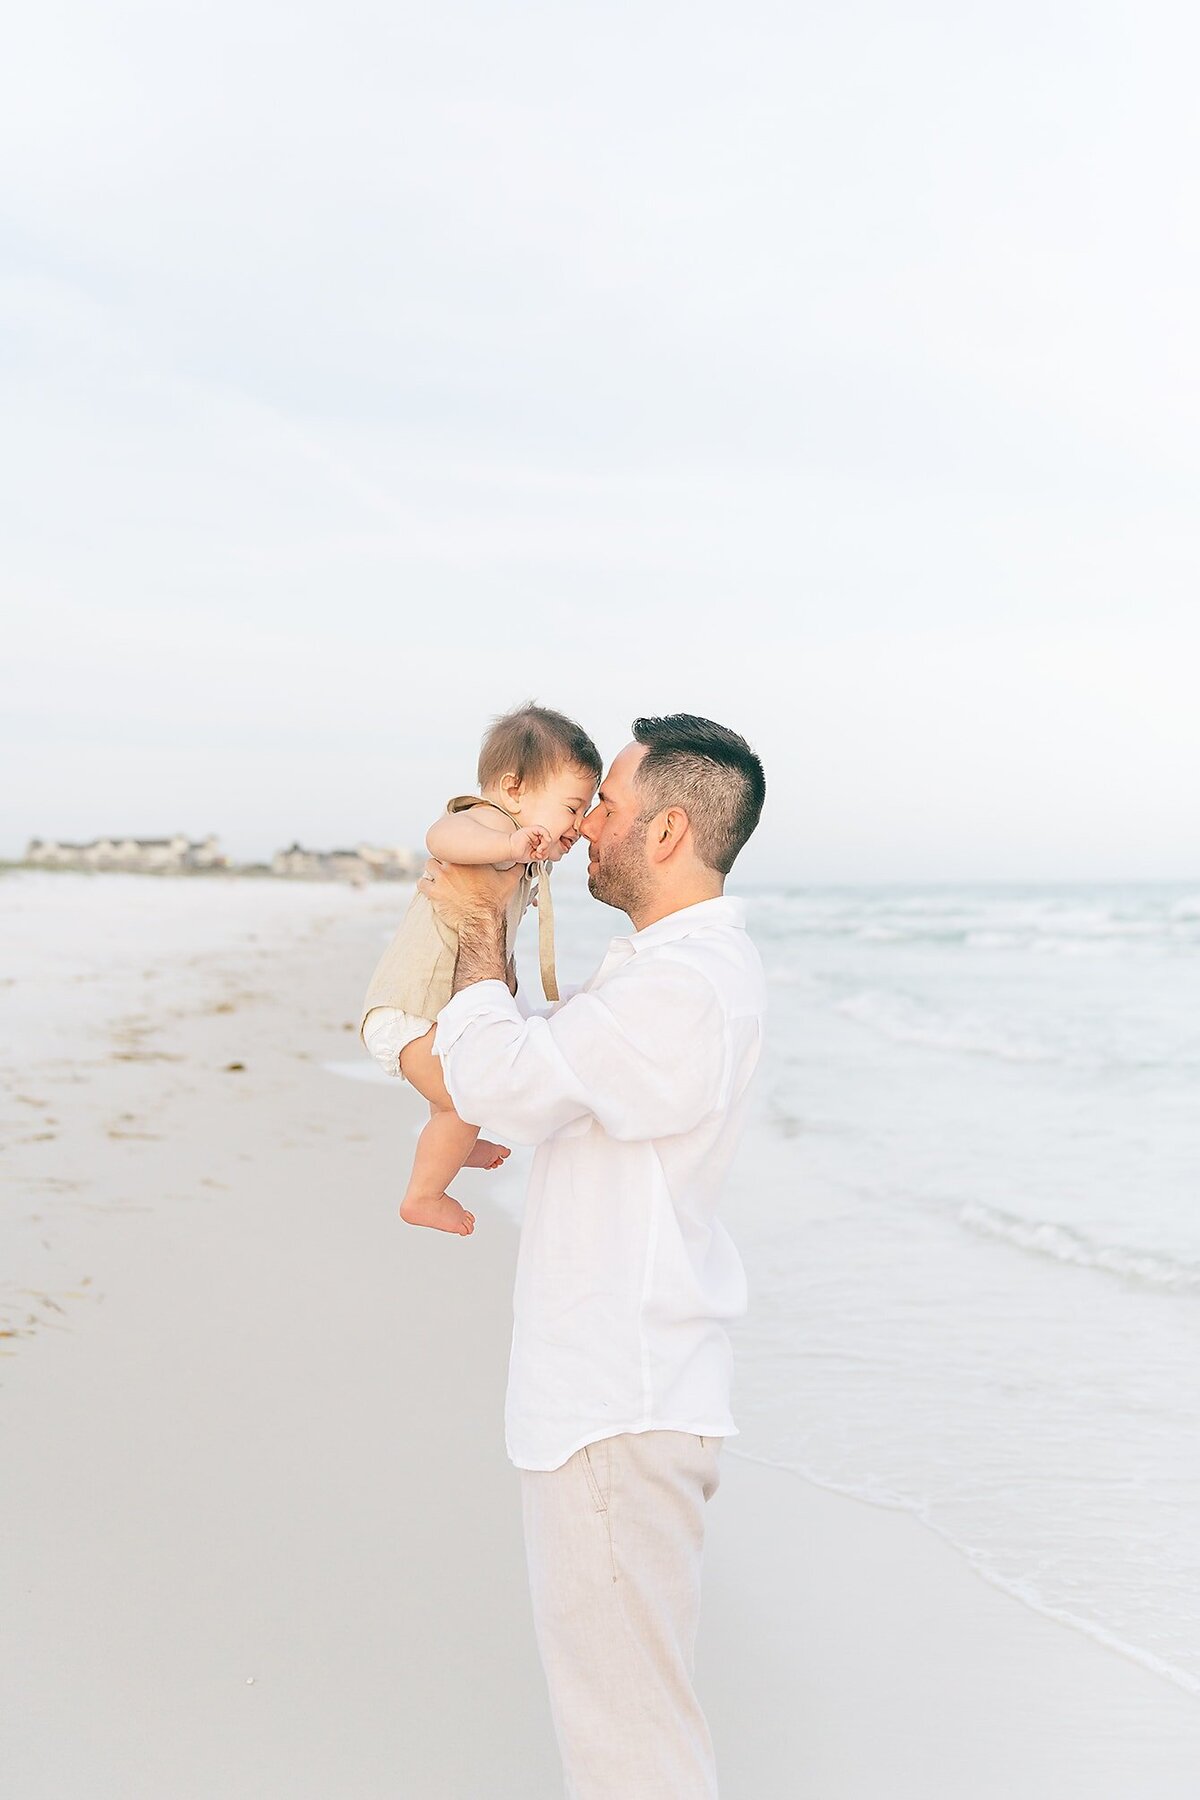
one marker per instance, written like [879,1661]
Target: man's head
[674,811]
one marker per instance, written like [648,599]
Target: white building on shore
[148,856]
[366,862]
[180,855]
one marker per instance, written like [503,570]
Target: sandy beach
[261,1539]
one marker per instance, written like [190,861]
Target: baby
[537,773]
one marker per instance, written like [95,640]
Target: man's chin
[596,885]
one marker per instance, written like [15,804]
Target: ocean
[968,1202]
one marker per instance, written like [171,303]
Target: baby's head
[542,767]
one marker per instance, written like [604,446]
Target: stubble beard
[621,879]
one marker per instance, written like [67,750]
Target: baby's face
[560,806]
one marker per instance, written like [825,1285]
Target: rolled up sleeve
[643,1055]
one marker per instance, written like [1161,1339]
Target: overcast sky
[831,371]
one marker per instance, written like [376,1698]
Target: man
[633,1088]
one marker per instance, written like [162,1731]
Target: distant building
[390,862]
[181,855]
[366,862]
[148,856]
[298,863]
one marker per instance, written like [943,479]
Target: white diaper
[385,1032]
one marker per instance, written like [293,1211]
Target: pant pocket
[594,1459]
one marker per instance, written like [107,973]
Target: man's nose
[590,825]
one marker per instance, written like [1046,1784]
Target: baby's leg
[443,1147]
[424,1070]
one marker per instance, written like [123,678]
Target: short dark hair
[533,743]
[711,773]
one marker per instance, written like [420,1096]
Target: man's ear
[670,829]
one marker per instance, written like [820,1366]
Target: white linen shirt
[633,1088]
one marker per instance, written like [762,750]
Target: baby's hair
[533,743]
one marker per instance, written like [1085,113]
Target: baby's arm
[464,838]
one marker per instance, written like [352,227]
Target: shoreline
[1161,1670]
[262,1537]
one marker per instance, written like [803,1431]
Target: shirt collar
[722,909]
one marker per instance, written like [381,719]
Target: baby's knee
[441,1107]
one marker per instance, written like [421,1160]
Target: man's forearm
[481,949]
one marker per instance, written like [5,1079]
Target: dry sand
[261,1540]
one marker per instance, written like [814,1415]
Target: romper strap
[545,905]
[461,802]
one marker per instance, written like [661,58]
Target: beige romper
[415,974]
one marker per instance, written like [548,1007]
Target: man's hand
[474,902]
[460,894]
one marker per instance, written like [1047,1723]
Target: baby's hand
[530,844]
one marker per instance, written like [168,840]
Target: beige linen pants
[614,1541]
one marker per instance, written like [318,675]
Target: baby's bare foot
[486,1156]
[441,1211]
